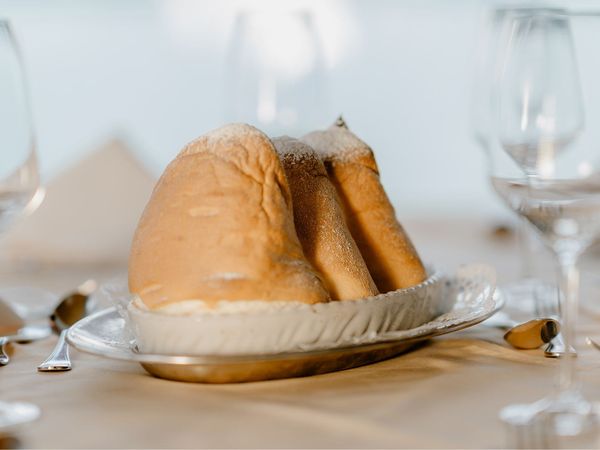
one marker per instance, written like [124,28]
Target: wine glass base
[567,420]
[15,414]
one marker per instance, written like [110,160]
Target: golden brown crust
[320,224]
[219,226]
[385,246]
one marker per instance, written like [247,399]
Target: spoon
[527,335]
[70,310]
[532,334]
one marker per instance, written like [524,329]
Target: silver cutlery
[544,306]
[556,348]
[532,334]
[71,309]
[527,335]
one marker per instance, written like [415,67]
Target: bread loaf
[320,224]
[390,256]
[219,226]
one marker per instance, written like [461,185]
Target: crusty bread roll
[385,247]
[220,226]
[320,224]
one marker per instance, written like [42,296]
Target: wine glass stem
[524,239]
[569,305]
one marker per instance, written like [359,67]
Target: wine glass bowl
[19,179]
[275,71]
[494,32]
[540,109]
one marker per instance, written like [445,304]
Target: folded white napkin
[89,213]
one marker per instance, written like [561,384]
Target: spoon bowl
[69,311]
[533,333]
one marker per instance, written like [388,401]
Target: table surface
[447,393]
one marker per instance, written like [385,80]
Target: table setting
[259,284]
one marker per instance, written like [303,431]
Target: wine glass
[19,180]
[542,176]
[275,72]
[523,293]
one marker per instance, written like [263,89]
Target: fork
[547,304]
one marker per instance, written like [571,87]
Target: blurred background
[144,77]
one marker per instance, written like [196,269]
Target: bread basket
[254,328]
[468,297]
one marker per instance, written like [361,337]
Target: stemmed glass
[525,292]
[545,178]
[19,180]
[275,72]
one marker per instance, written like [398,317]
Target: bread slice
[386,248]
[320,224]
[219,226]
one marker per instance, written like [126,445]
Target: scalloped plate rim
[128,354]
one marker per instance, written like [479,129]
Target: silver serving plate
[106,334]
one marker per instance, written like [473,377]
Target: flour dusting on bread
[337,143]
[319,220]
[222,207]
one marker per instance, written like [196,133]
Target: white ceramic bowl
[250,328]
